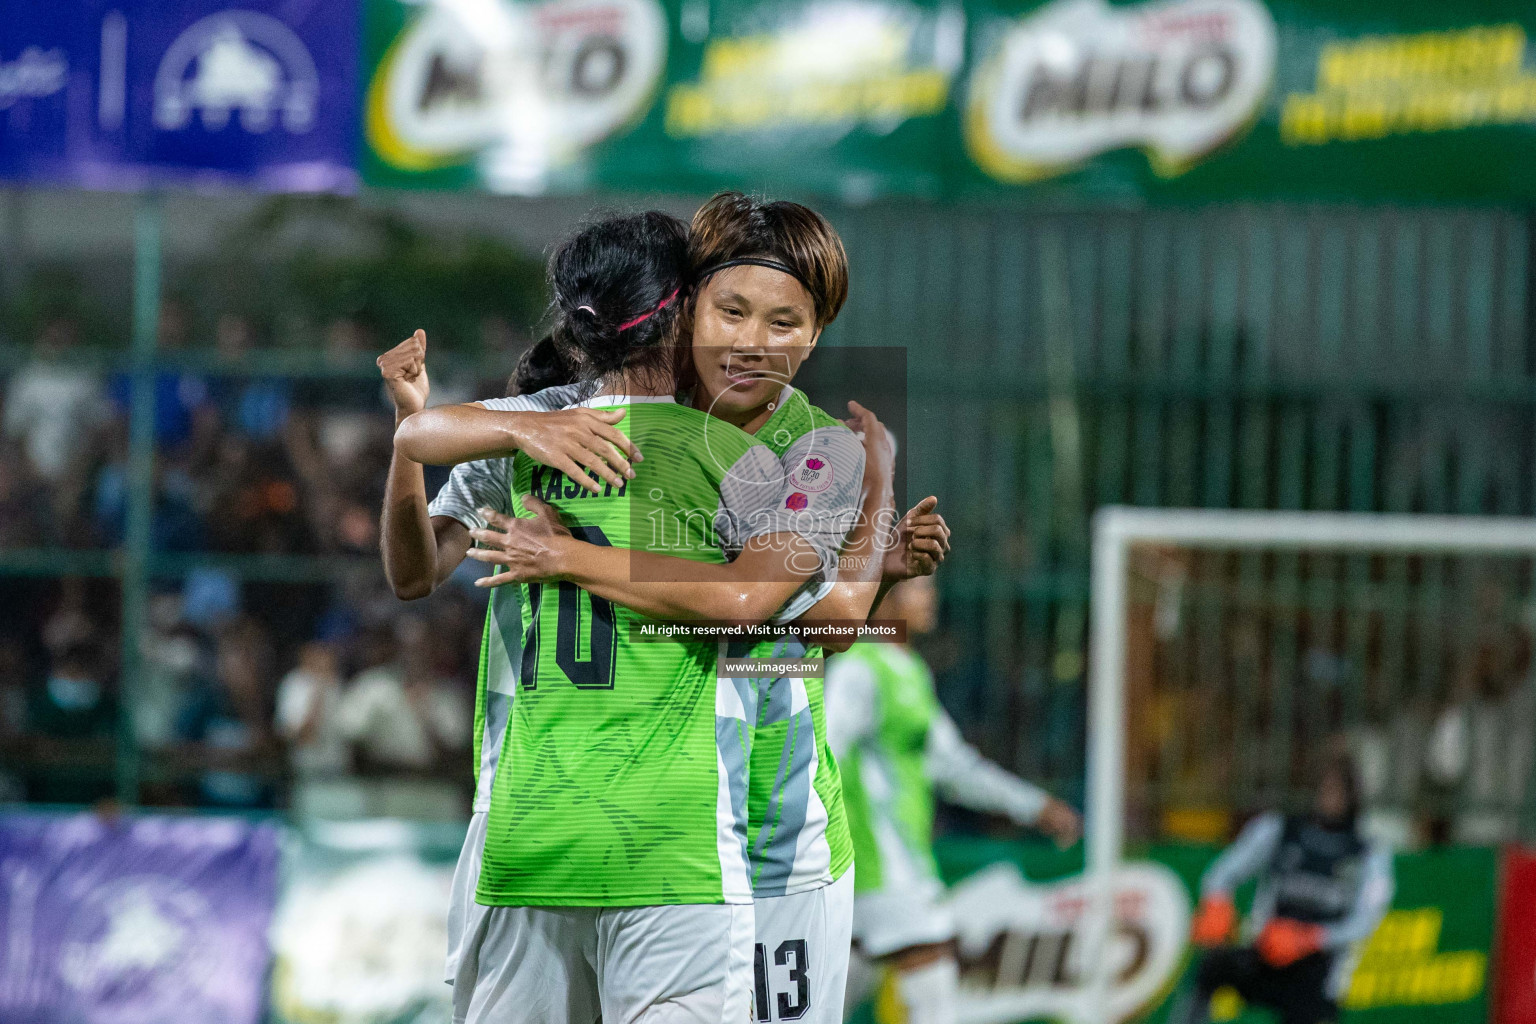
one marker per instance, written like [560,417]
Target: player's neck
[750,421]
[755,421]
[637,385]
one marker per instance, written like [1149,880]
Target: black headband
[757,261]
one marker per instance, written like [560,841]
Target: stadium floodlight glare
[1116,531]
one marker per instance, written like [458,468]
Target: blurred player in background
[1323,887]
[897,748]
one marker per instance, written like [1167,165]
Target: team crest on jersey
[814,474]
[796,501]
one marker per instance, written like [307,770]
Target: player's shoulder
[821,419]
[833,444]
[795,408]
[548,400]
[682,429]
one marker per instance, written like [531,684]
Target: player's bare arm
[419,550]
[750,589]
[571,440]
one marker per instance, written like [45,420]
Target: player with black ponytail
[608,861]
[618,287]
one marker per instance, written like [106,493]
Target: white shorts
[466,875]
[891,920]
[689,964]
[801,963]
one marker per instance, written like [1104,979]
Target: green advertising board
[1019,909]
[1171,100]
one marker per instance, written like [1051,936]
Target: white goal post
[1116,530]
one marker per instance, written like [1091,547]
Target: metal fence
[1234,357]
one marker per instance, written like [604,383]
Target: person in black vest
[1322,888]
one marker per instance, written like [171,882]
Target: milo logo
[1079,78]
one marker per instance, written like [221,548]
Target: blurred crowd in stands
[323,693]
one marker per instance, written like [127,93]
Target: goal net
[1231,651]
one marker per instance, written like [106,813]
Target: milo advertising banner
[512,97]
[1212,99]
[1177,100]
[638,94]
[1166,85]
[1020,912]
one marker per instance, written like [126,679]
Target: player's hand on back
[523,550]
[404,369]
[879,451]
[576,440]
[922,542]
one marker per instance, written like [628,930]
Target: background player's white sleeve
[851,699]
[483,483]
[1371,902]
[963,776]
[1253,849]
[486,483]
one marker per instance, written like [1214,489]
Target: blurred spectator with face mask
[228,723]
[75,702]
[72,710]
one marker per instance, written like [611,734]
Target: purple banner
[134,921]
[138,92]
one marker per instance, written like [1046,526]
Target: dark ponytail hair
[542,365]
[618,287]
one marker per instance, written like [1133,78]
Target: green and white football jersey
[897,748]
[798,829]
[886,787]
[623,777]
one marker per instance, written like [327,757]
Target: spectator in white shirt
[53,406]
[407,725]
